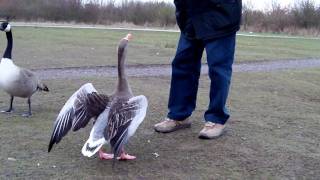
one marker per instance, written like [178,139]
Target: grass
[273,134]
[259,48]
[59,47]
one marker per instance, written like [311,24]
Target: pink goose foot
[124,156]
[105,156]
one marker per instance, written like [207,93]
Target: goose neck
[121,70]
[8,51]
[123,84]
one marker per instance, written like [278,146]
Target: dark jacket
[208,19]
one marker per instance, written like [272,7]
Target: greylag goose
[116,117]
[16,81]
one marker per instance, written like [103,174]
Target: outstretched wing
[83,105]
[124,119]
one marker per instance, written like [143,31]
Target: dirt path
[165,70]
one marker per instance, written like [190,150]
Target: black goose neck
[8,51]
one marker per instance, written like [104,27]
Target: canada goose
[117,116]
[16,81]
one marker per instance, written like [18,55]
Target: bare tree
[305,14]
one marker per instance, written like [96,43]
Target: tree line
[90,11]
[303,16]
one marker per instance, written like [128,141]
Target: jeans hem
[216,120]
[177,118]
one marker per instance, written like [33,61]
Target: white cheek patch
[8,28]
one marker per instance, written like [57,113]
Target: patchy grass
[259,48]
[273,134]
[60,47]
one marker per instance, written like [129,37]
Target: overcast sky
[263,4]
[259,4]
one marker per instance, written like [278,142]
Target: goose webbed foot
[26,115]
[105,156]
[10,110]
[124,156]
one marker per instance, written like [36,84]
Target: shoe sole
[182,126]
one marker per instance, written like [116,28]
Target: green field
[59,47]
[273,134]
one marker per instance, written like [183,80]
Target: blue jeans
[186,68]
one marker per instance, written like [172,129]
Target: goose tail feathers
[43,87]
[91,147]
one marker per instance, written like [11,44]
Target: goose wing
[83,105]
[124,119]
[27,73]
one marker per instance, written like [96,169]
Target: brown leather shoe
[170,125]
[211,130]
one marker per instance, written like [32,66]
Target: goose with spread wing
[16,81]
[116,117]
